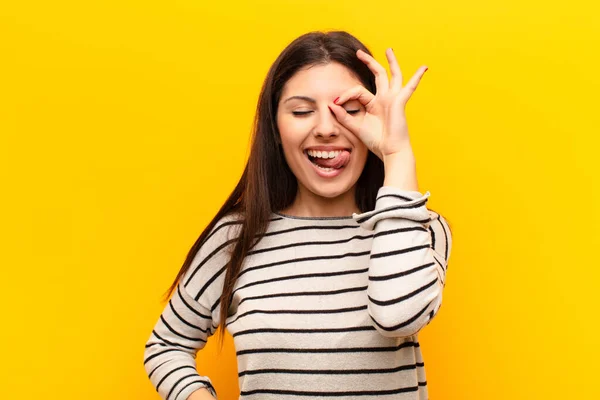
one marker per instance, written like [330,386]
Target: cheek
[290,146]
[363,153]
[291,137]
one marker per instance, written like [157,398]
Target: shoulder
[218,239]
[225,229]
[210,255]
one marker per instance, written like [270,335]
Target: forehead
[332,78]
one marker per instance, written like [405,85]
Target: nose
[327,125]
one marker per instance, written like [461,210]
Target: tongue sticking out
[338,162]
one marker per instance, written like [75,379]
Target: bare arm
[201,394]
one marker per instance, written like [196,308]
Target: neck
[308,204]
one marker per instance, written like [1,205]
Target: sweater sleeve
[188,320]
[408,261]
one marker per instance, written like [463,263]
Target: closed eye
[300,113]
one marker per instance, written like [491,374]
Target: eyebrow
[306,98]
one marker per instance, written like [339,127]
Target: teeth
[324,168]
[323,154]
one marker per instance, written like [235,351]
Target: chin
[329,190]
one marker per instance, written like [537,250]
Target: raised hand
[383,128]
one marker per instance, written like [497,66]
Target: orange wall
[124,125]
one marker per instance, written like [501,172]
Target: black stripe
[190,307]
[432,237]
[324,242]
[446,236]
[402,324]
[399,274]
[396,196]
[181,380]
[216,304]
[171,372]
[218,228]
[329,371]
[169,327]
[412,228]
[191,383]
[209,282]
[401,251]
[157,367]
[172,344]
[330,394]
[314,312]
[300,294]
[313,275]
[305,331]
[183,319]
[155,344]
[405,297]
[393,208]
[303,259]
[441,265]
[208,257]
[308,227]
[331,350]
[421,221]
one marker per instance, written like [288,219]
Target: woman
[324,260]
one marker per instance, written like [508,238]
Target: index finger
[357,92]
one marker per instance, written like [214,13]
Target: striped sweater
[324,308]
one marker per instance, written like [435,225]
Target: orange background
[125,124]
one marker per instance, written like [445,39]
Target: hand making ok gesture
[383,128]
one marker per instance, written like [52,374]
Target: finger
[357,92]
[381,77]
[350,122]
[412,84]
[396,83]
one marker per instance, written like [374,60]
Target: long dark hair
[267,183]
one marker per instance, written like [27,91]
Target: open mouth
[328,161]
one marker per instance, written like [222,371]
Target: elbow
[408,321]
[394,327]
[151,353]
[158,353]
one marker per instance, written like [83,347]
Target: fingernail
[336,99]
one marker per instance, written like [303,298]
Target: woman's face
[312,136]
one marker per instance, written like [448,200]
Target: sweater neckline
[347,218]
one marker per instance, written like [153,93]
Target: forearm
[405,279]
[201,394]
[401,170]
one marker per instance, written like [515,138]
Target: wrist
[401,170]
[201,394]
